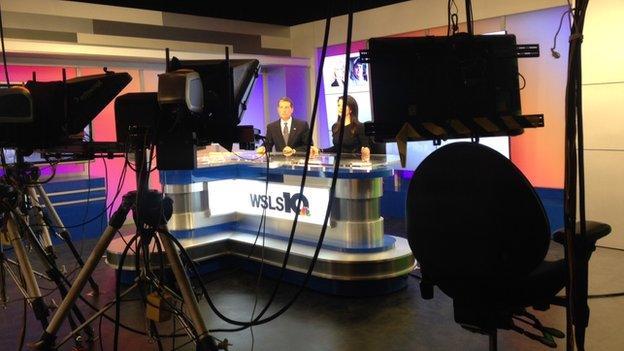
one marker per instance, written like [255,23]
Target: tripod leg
[46,341]
[45,233]
[205,342]
[3,297]
[493,340]
[32,288]
[64,233]
[52,271]
[97,315]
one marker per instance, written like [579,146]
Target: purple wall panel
[255,107]
[297,89]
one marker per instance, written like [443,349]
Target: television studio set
[330,175]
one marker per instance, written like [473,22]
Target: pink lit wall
[104,130]
[539,153]
[21,74]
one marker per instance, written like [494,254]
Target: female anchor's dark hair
[353,106]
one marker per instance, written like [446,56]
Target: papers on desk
[312,161]
[361,164]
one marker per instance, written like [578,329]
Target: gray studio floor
[400,321]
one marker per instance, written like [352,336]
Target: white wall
[603,94]
[37,31]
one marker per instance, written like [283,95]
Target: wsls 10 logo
[286,203]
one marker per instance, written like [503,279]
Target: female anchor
[354,140]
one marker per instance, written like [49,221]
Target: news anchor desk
[218,207]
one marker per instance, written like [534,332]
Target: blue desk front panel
[77,201]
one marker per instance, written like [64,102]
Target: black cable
[23,330]
[119,187]
[84,300]
[100,334]
[154,331]
[173,320]
[263,216]
[24,318]
[125,241]
[105,195]
[448,18]
[248,159]
[607,295]
[41,182]
[4,60]
[3,159]
[139,177]
[122,178]
[609,248]
[554,53]
[105,182]
[523,81]
[576,289]
[307,159]
[451,17]
[258,320]
[161,280]
[47,294]
[52,270]
[267,156]
[469,17]
[116,320]
[93,307]
[84,218]
[580,139]
[181,346]
[257,288]
[140,249]
[293,228]
[118,291]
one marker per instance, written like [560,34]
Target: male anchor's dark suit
[297,138]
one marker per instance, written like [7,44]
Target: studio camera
[197,103]
[40,115]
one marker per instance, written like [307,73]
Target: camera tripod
[25,280]
[16,205]
[150,210]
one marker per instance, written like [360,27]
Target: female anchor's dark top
[351,143]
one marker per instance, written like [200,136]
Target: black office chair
[480,233]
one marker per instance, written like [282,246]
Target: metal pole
[190,301]
[46,341]
[62,231]
[45,233]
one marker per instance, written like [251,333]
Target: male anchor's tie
[286,133]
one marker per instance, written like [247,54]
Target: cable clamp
[575,37]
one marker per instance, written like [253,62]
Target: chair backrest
[472,217]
